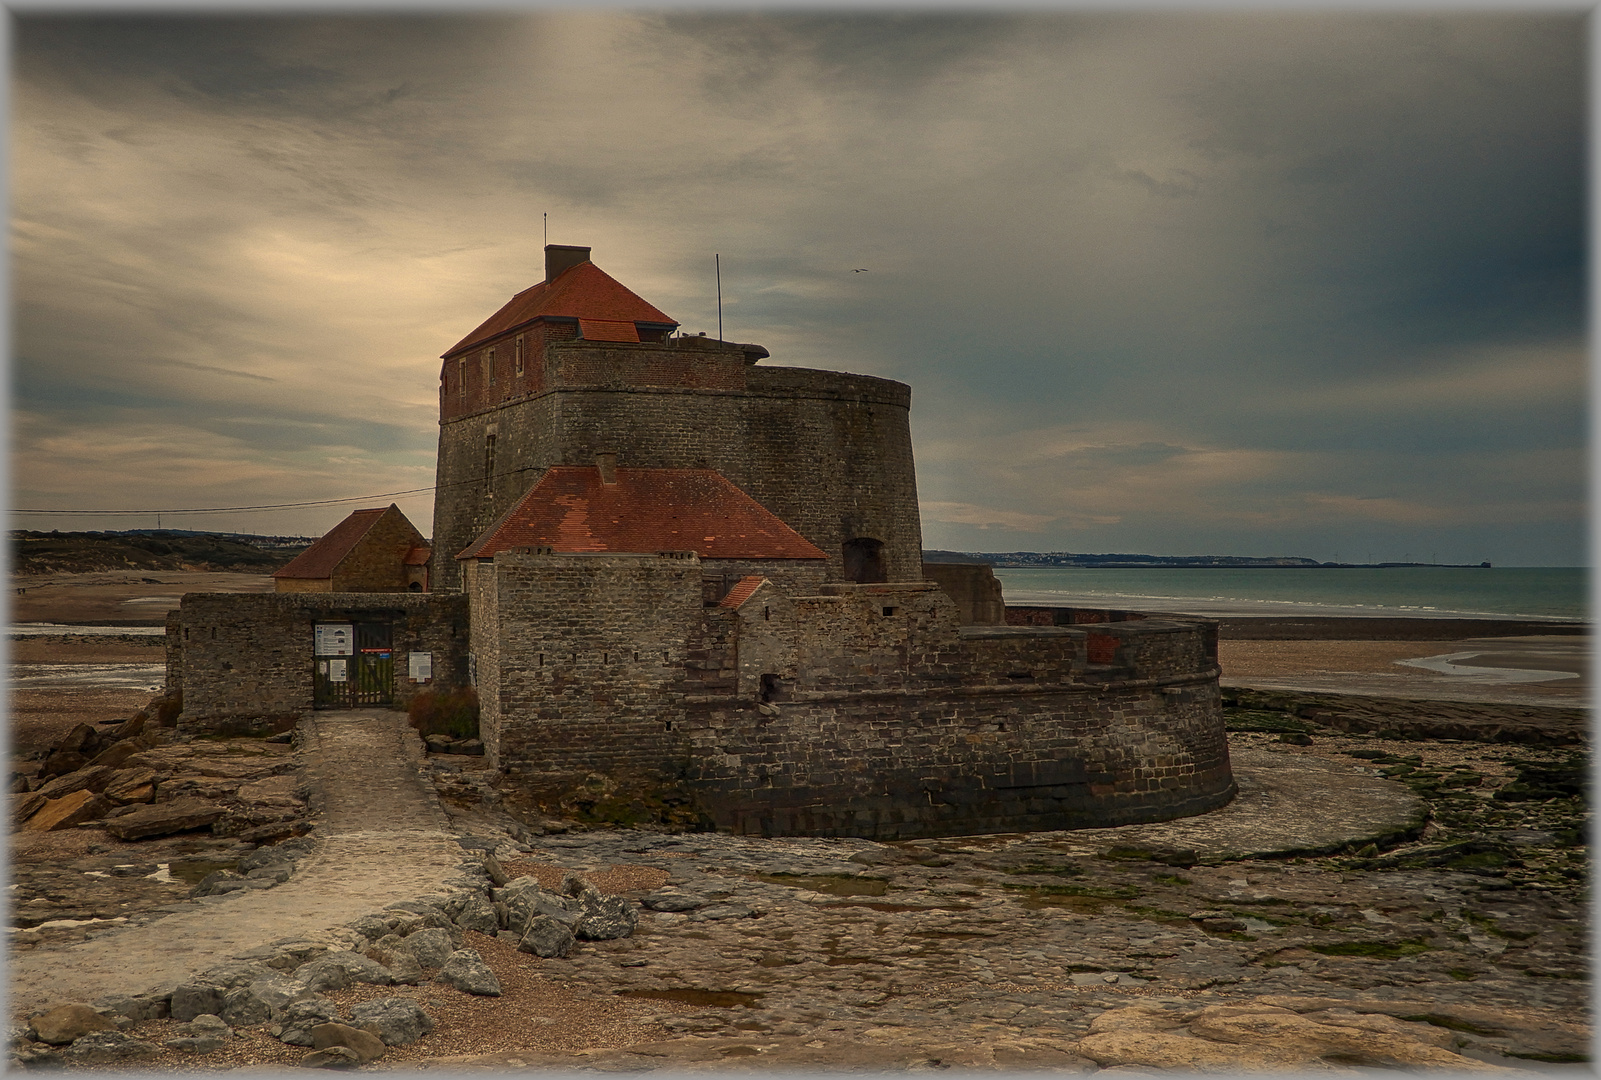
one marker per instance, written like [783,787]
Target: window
[489,460]
[489,367]
[520,360]
[461,377]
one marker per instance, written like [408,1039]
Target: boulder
[114,755]
[402,922]
[398,960]
[522,905]
[61,762]
[605,918]
[217,882]
[24,804]
[131,727]
[341,968]
[466,971]
[371,927]
[103,1047]
[299,1018]
[277,873]
[131,786]
[69,810]
[431,947]
[65,1023]
[396,1020]
[546,937]
[236,973]
[368,1047]
[334,1057]
[161,819]
[674,900]
[194,999]
[243,1007]
[202,1035]
[155,1005]
[90,779]
[477,913]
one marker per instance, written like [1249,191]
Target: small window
[891,611]
[770,686]
[489,367]
[461,377]
[520,361]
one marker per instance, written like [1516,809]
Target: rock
[277,873]
[244,1007]
[82,739]
[371,927]
[437,744]
[218,882]
[431,947]
[202,1035]
[674,900]
[101,1047]
[713,912]
[466,971]
[20,784]
[235,973]
[524,904]
[478,914]
[334,1057]
[497,875]
[114,755]
[287,852]
[69,810]
[575,886]
[86,779]
[398,960]
[546,937]
[131,786]
[397,1020]
[65,1023]
[130,728]
[273,791]
[151,1006]
[355,967]
[60,762]
[161,819]
[367,1046]
[606,918]
[197,998]
[402,922]
[24,804]
[300,1017]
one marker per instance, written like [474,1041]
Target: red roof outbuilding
[572,509]
[319,560]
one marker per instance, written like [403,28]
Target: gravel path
[382,835]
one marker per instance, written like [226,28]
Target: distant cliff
[86,552]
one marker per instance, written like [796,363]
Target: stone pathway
[381,835]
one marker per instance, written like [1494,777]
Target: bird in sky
[863,270]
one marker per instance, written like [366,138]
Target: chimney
[560,257]
[607,463]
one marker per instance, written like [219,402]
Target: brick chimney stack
[560,257]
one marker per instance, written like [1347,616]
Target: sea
[1551,593]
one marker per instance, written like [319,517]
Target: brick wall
[244,660]
[830,454]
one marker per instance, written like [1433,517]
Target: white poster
[336,671]
[333,639]
[422,666]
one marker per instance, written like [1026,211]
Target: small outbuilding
[370,551]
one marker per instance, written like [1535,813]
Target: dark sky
[1200,283]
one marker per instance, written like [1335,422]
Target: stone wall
[377,562]
[979,601]
[243,661]
[862,710]
[830,454]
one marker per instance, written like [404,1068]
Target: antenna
[546,216]
[718,263]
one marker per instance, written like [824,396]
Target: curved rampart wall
[829,453]
[863,711]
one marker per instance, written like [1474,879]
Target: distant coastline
[1064,559]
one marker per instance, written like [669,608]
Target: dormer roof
[573,509]
[583,292]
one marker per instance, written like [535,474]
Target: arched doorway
[864,560]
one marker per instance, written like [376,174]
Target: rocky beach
[1402,882]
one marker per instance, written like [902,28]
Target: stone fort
[672,570]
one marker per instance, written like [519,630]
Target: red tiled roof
[584,291]
[418,556]
[570,509]
[607,330]
[743,591]
[319,560]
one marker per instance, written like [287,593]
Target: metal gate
[353,665]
